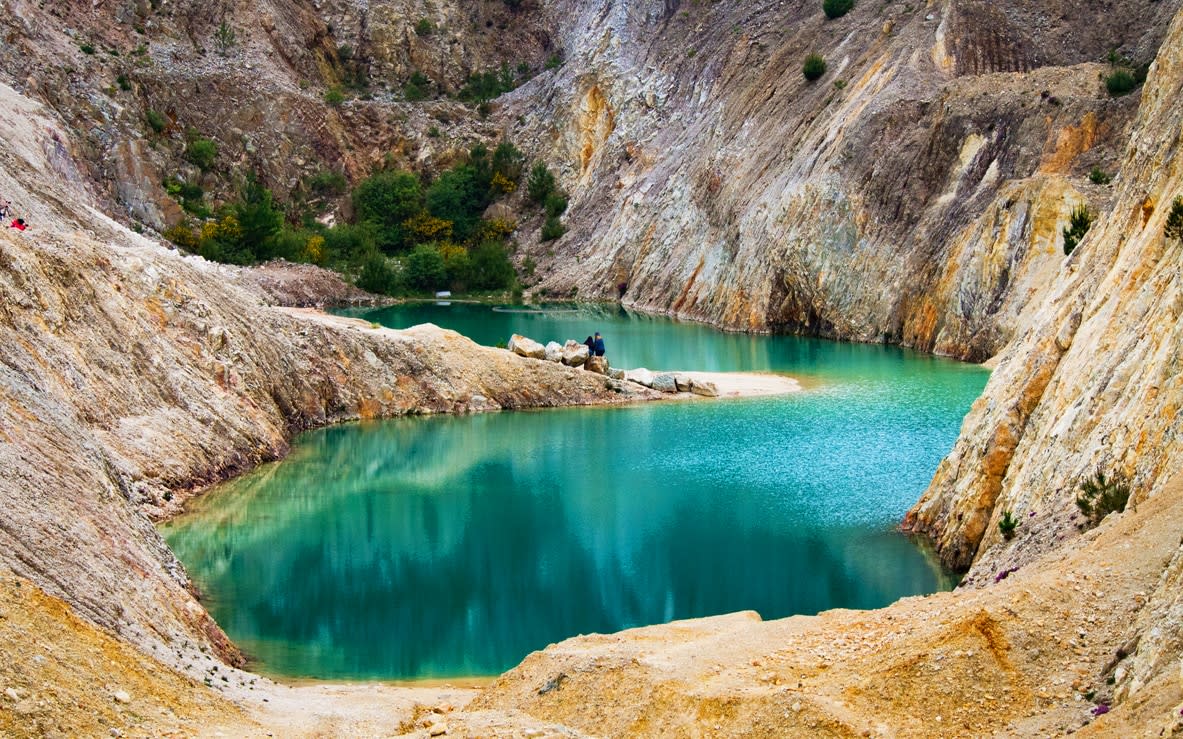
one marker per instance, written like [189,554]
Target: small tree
[540,184]
[1120,82]
[1101,495]
[814,67]
[837,8]
[1174,226]
[1078,225]
[1099,176]
[1007,525]
[201,151]
[553,228]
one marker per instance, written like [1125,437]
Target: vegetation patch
[1078,225]
[837,8]
[814,67]
[1174,225]
[1102,494]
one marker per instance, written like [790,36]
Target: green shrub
[123,82]
[813,68]
[1099,177]
[556,204]
[87,48]
[1120,82]
[225,38]
[425,269]
[387,200]
[379,275]
[202,152]
[491,268]
[424,27]
[1007,525]
[1174,225]
[334,97]
[1078,225]
[553,228]
[156,121]
[1101,495]
[328,184]
[540,184]
[508,161]
[554,61]
[418,87]
[259,221]
[837,8]
[434,132]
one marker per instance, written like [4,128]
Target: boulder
[665,383]
[683,383]
[599,365]
[525,347]
[574,353]
[616,373]
[554,351]
[704,387]
[641,376]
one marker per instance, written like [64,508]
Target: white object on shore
[526,347]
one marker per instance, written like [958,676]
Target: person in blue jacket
[598,345]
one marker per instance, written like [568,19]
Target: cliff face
[1093,381]
[914,194]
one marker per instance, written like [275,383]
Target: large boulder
[683,383]
[554,351]
[704,387]
[599,365]
[665,382]
[574,353]
[641,376]
[526,347]
[615,373]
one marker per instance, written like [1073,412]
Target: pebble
[122,696]
[438,729]
[12,694]
[796,706]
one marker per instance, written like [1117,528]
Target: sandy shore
[746,384]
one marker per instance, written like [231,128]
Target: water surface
[452,546]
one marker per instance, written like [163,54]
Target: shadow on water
[452,546]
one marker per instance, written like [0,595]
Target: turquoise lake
[443,547]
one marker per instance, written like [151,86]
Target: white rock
[641,376]
[665,382]
[683,383]
[12,694]
[554,351]
[616,373]
[122,696]
[526,347]
[574,353]
[705,388]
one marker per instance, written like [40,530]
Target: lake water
[453,546]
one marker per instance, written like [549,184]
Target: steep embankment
[914,194]
[129,372]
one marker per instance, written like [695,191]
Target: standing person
[599,345]
[4,206]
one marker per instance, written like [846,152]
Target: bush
[1101,495]
[1098,176]
[418,87]
[1007,525]
[425,269]
[508,161]
[813,68]
[424,27]
[556,204]
[259,221]
[87,48]
[1174,226]
[379,275]
[225,38]
[1078,225]
[553,228]
[837,8]
[156,121]
[491,268]
[123,82]
[1120,82]
[202,152]
[334,97]
[328,184]
[387,200]
[540,184]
